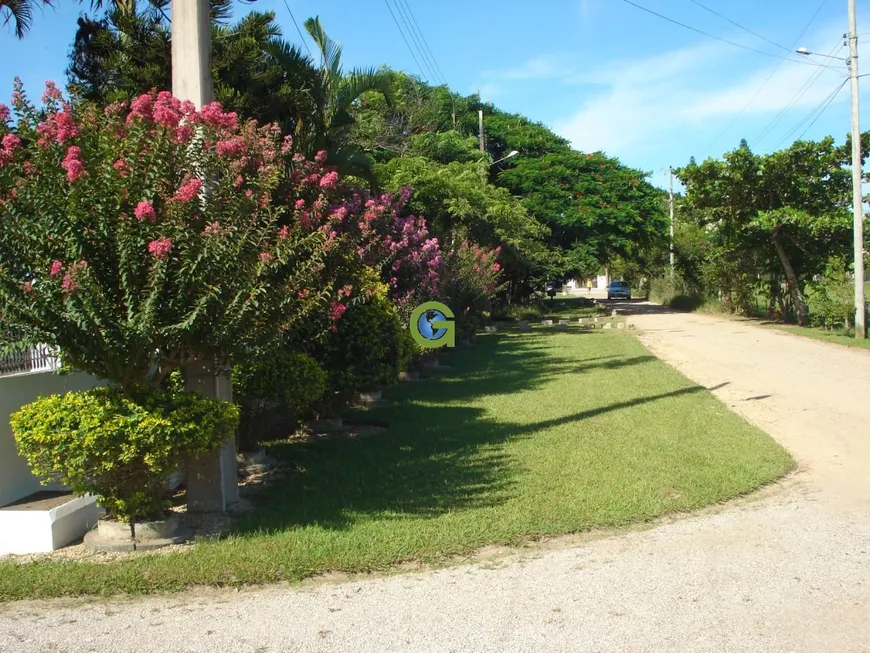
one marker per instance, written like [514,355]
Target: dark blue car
[618,290]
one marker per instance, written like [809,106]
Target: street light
[807,53]
[513,153]
[857,198]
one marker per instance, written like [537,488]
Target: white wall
[16,479]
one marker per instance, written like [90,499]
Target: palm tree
[20,14]
[332,93]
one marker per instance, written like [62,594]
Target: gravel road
[784,570]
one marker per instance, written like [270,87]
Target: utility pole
[671,211]
[857,196]
[212,479]
[480,127]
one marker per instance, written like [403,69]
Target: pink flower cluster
[72,163]
[188,191]
[5,114]
[9,144]
[160,248]
[145,211]
[51,93]
[336,311]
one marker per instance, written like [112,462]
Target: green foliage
[119,446]
[831,299]
[469,284]
[109,250]
[291,380]
[367,350]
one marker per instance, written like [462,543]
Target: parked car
[618,290]
[552,287]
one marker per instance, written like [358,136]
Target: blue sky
[602,73]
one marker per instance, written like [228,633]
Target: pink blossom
[114,109]
[27,288]
[249,193]
[160,248]
[284,233]
[300,204]
[145,211]
[266,257]
[212,228]
[68,284]
[141,107]
[305,219]
[188,191]
[51,94]
[29,168]
[329,179]
[11,142]
[230,147]
[336,310]
[287,145]
[66,127]
[56,268]
[303,293]
[4,113]
[122,167]
[183,134]
[320,157]
[239,181]
[298,158]
[5,158]
[346,291]
[167,110]
[72,163]
[213,114]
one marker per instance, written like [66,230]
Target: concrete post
[191,51]
[212,479]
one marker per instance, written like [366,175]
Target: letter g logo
[432,326]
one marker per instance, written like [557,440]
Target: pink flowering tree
[470,280]
[138,238]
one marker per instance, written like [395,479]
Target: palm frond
[360,81]
[350,160]
[329,49]
[20,14]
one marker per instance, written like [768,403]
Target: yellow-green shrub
[117,446]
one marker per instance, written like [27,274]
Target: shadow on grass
[442,453]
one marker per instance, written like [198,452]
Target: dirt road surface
[785,570]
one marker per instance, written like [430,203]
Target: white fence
[39,359]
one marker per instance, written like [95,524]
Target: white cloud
[693,93]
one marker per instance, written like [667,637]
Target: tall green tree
[332,93]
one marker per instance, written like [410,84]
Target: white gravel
[785,570]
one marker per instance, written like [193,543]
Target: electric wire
[769,77]
[410,31]
[738,25]
[812,79]
[818,111]
[719,38]
[293,18]
[426,43]
[408,45]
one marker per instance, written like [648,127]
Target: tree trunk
[793,287]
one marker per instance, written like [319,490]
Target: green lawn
[529,434]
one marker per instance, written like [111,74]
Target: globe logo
[424,324]
[432,326]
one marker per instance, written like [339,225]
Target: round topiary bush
[283,385]
[120,447]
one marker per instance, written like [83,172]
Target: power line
[738,25]
[304,42]
[812,79]
[419,67]
[417,45]
[719,38]
[769,77]
[425,43]
[818,111]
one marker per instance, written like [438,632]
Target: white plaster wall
[16,479]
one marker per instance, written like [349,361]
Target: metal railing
[39,359]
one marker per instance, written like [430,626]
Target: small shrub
[117,446]
[283,384]
[367,350]
[831,300]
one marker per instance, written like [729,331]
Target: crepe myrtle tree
[141,237]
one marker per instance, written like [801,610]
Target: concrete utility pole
[671,211]
[212,480]
[857,198]
[480,127]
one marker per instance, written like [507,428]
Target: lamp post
[857,198]
[512,153]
